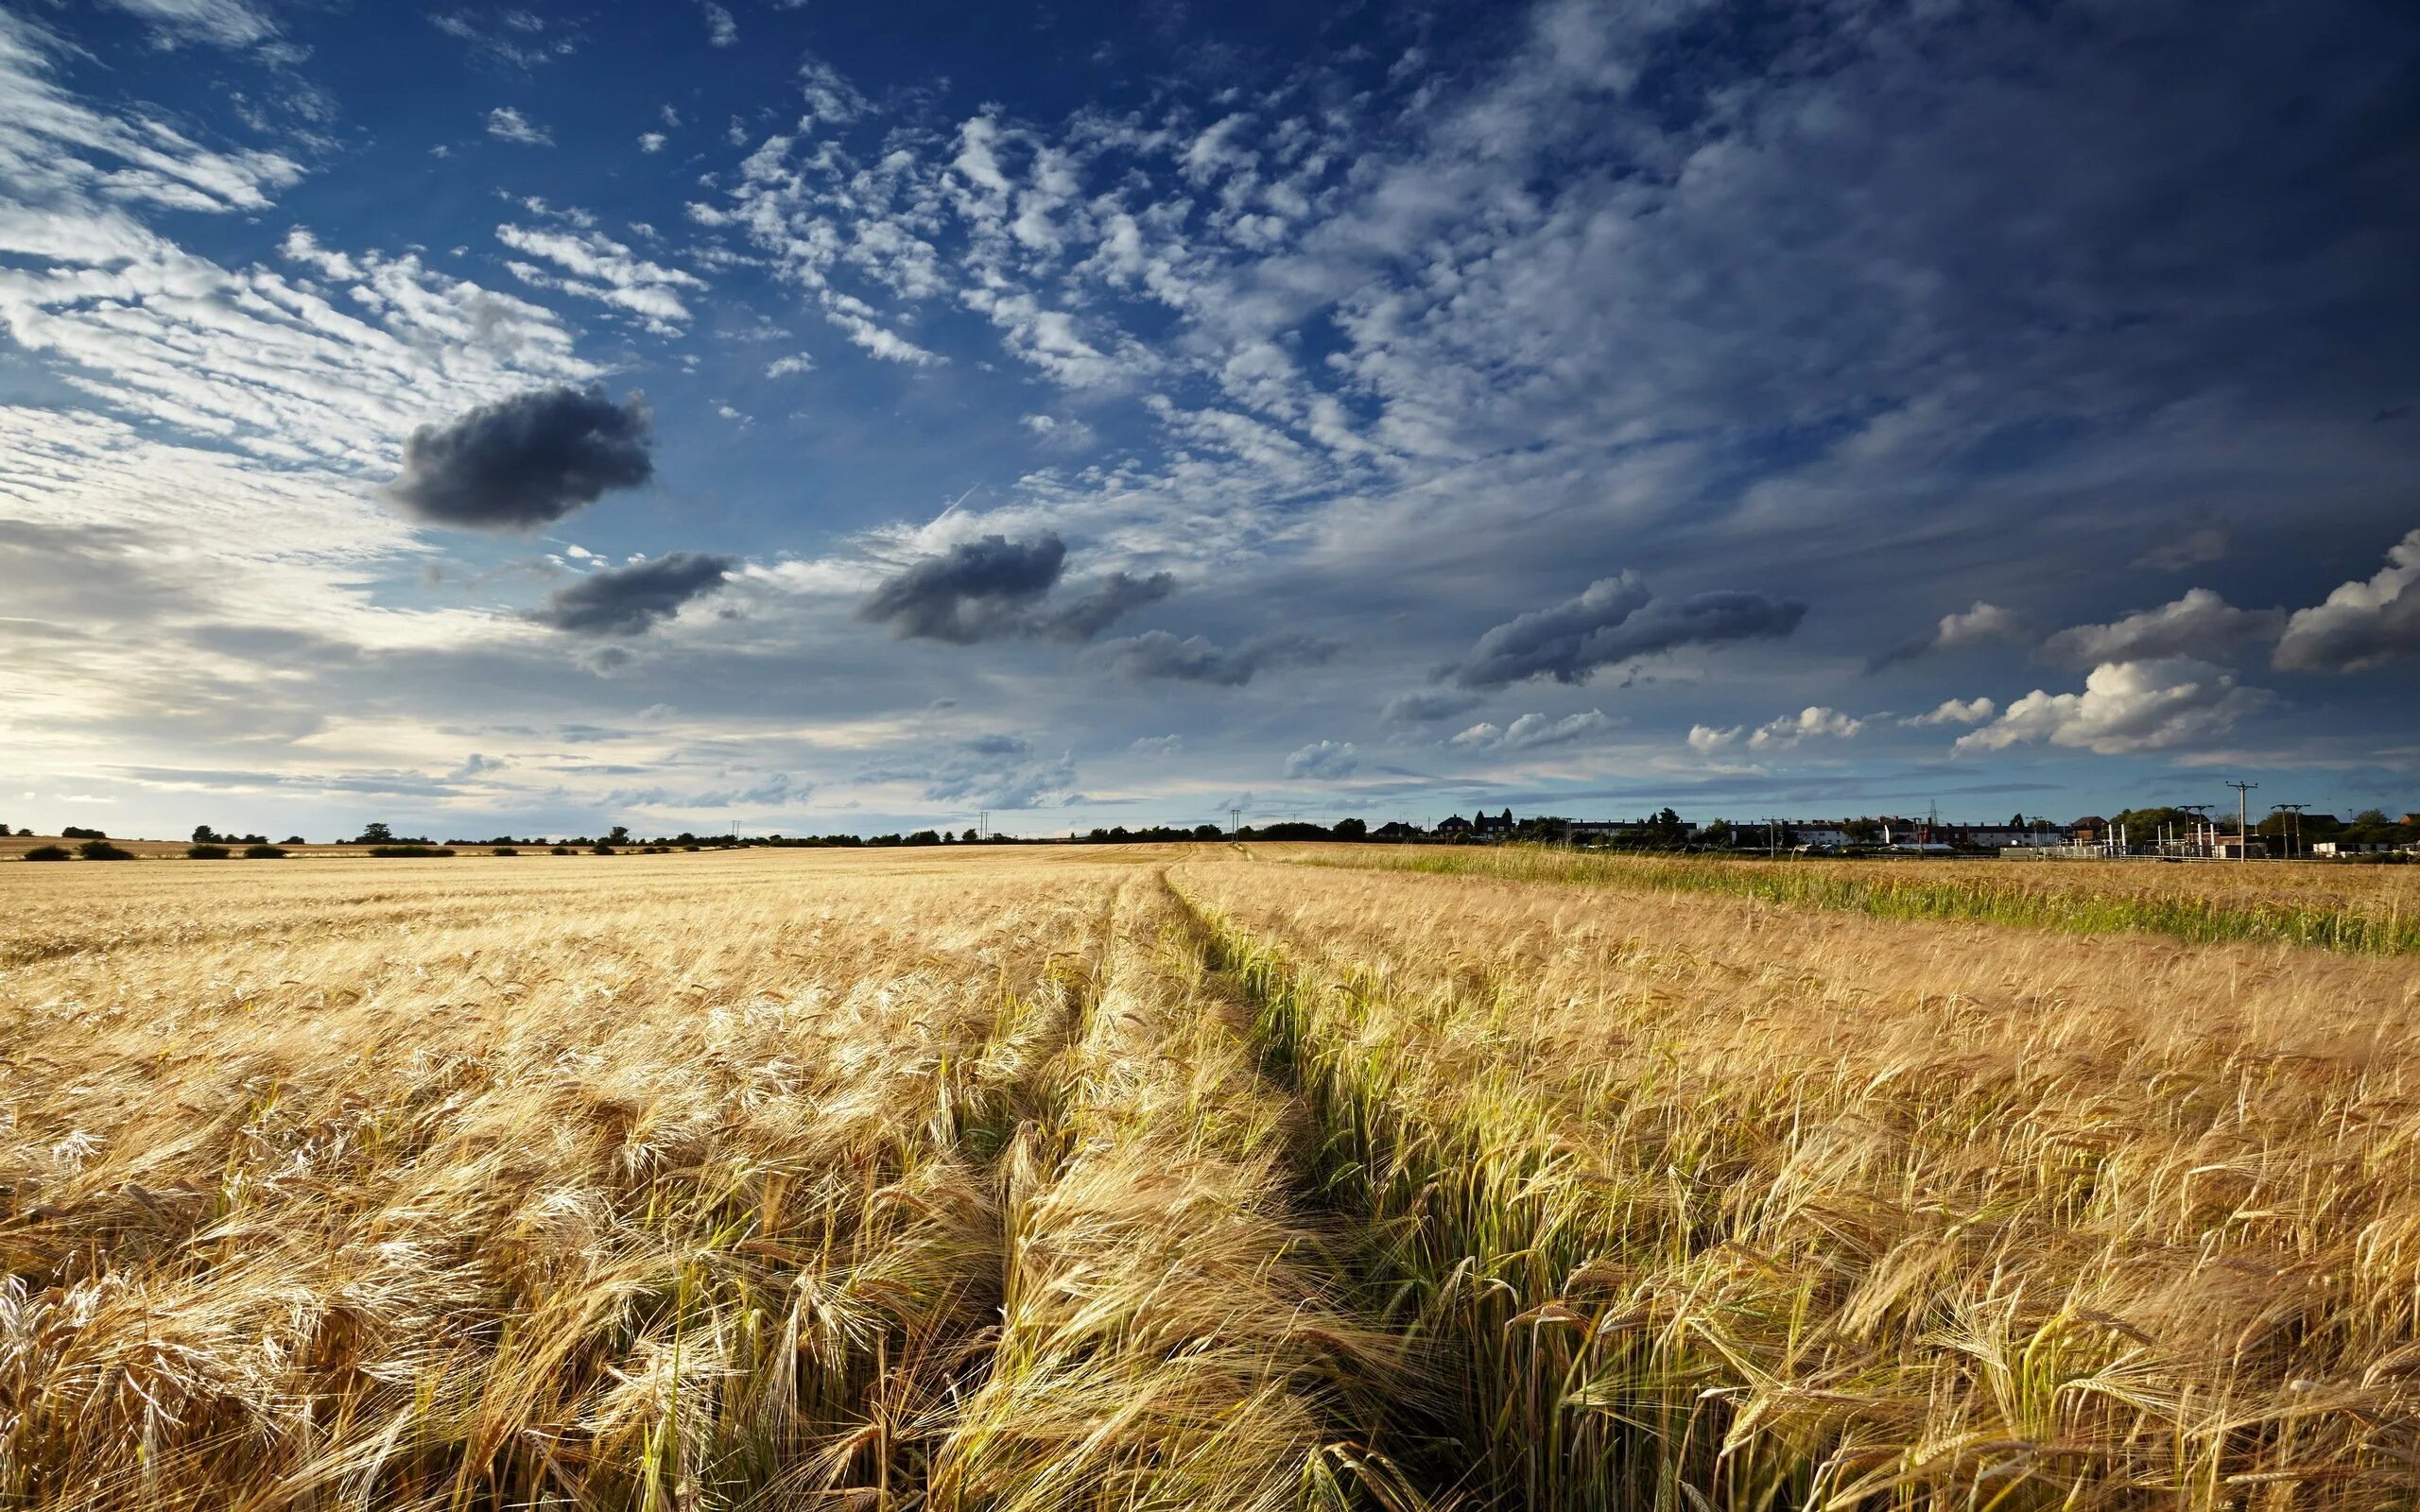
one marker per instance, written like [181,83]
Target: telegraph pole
[2201,813]
[2242,816]
[1234,821]
[2293,826]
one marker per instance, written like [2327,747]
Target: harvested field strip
[2273,904]
[1166,1337]
[1754,1218]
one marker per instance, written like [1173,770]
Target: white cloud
[652,140]
[1813,722]
[605,270]
[721,30]
[1323,759]
[224,22]
[1973,627]
[2125,707]
[783,366]
[1810,723]
[1532,731]
[1157,745]
[1957,712]
[2200,625]
[2362,623]
[508,124]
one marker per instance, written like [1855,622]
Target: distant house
[2236,848]
[1491,824]
[1396,830]
[1455,825]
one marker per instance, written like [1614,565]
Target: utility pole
[2293,836]
[983,824]
[2242,816]
[1234,821]
[2201,813]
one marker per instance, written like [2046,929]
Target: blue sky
[822,417]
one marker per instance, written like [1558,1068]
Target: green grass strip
[1922,892]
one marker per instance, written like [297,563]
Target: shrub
[563,851]
[264,853]
[392,851]
[600,848]
[693,847]
[102,851]
[72,832]
[295,839]
[207,852]
[504,850]
[47,852]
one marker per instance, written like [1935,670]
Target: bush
[392,851]
[264,853]
[207,852]
[693,847]
[47,852]
[102,851]
[600,848]
[295,839]
[72,833]
[504,850]
[563,850]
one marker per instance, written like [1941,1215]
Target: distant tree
[295,839]
[375,834]
[5,831]
[1864,832]
[262,853]
[74,832]
[924,837]
[2370,827]
[1350,829]
[203,834]
[100,850]
[47,852]
[207,852]
[620,835]
[1208,831]
[602,848]
[563,851]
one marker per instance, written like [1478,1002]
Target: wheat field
[1115,1178]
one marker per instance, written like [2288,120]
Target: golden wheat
[1118,1178]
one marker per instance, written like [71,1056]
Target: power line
[2242,819]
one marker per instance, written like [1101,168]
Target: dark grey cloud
[524,461]
[995,589]
[2200,625]
[1612,621]
[976,590]
[1111,600]
[1156,655]
[1428,706]
[2363,624]
[627,600]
